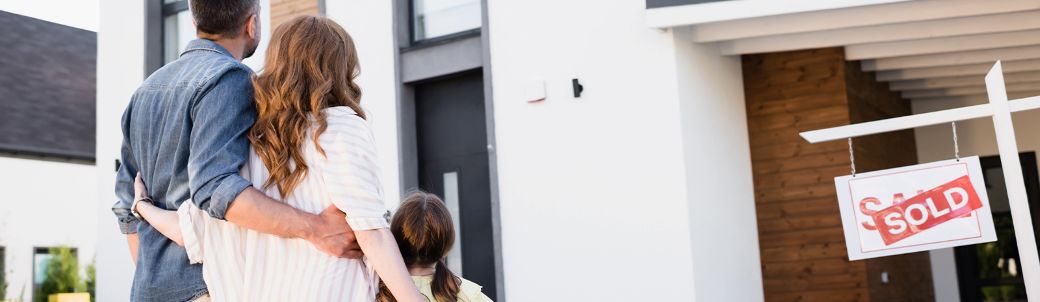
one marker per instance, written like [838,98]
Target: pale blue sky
[76,13]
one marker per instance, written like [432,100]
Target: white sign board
[915,208]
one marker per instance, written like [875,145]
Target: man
[185,132]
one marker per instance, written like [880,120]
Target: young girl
[424,231]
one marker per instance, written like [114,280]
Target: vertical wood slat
[800,236]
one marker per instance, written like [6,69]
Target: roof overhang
[926,49]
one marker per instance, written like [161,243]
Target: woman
[311,147]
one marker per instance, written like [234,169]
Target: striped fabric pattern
[244,265]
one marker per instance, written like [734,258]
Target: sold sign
[928,209]
[948,207]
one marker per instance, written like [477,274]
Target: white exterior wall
[720,190]
[596,192]
[975,137]
[592,190]
[120,69]
[45,204]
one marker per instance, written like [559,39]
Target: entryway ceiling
[926,49]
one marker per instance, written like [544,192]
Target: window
[992,271]
[177,28]
[437,18]
[41,257]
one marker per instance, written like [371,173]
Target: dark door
[453,163]
[992,271]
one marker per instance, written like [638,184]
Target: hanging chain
[956,148]
[852,158]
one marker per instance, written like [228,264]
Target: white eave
[926,49]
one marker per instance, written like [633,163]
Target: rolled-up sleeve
[221,119]
[125,181]
[352,173]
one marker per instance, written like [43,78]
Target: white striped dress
[244,265]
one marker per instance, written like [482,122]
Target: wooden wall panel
[800,234]
[285,10]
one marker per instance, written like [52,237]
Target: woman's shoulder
[342,122]
[342,115]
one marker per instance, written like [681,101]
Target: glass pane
[999,276]
[451,200]
[40,267]
[178,30]
[435,18]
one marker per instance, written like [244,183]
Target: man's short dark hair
[222,17]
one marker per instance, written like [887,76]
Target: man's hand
[328,231]
[331,234]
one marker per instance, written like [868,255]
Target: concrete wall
[45,204]
[975,137]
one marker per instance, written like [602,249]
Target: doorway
[453,162]
[991,271]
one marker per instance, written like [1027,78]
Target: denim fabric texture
[185,131]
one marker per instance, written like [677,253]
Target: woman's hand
[165,221]
[140,191]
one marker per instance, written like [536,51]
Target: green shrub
[3,285]
[91,280]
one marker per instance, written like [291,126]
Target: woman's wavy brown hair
[311,65]
[425,233]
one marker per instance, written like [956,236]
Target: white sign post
[999,108]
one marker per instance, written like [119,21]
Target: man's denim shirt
[185,131]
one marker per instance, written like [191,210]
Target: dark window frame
[3,264]
[156,12]
[650,4]
[414,42]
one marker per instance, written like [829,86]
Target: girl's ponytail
[445,285]
[425,233]
[384,293]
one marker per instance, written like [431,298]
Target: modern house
[47,171]
[647,150]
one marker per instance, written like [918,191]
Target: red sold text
[905,218]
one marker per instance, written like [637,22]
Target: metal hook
[956,148]
[852,158]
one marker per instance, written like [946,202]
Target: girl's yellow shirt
[469,291]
